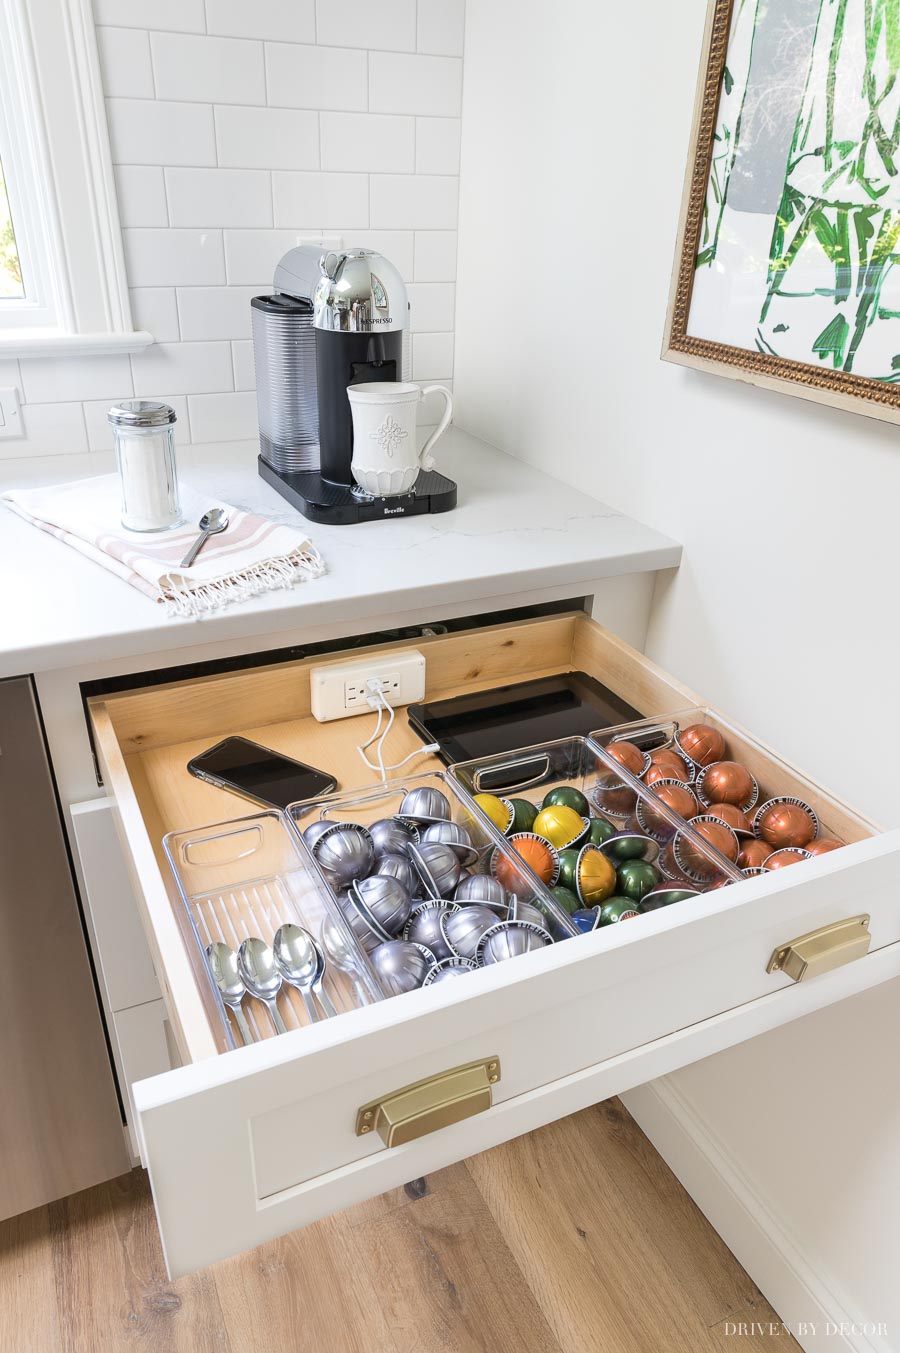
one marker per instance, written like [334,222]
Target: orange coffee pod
[629,756]
[785,822]
[676,796]
[753,854]
[537,853]
[681,768]
[736,819]
[727,782]
[718,834]
[701,743]
[780,859]
[824,845]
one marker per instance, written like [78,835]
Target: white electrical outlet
[339,690]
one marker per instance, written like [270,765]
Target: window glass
[11,287]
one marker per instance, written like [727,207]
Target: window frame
[54,142]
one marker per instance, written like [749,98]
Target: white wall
[239,127]
[575,133]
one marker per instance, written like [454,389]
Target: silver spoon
[211,523]
[321,994]
[223,964]
[256,965]
[295,954]
[341,955]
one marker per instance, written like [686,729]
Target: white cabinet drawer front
[593,1014]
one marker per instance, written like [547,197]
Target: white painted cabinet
[246,1144]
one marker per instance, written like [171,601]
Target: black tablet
[521,715]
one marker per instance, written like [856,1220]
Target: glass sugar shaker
[145,454]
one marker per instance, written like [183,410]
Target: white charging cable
[378,700]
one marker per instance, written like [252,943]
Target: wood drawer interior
[145,739]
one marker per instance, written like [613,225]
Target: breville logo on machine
[394,511]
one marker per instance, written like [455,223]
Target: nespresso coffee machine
[336,319]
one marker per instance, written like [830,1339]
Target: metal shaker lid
[352,291]
[141,413]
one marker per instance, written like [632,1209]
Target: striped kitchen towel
[251,556]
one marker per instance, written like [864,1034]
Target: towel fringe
[189,599]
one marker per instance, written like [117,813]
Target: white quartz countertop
[515,533]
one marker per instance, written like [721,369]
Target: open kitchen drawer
[247,1144]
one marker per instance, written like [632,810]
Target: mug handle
[425,460]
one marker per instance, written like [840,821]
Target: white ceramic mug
[385,460]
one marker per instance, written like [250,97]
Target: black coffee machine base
[336,505]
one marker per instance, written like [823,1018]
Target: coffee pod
[383,901]
[524,813]
[586,919]
[664,895]
[569,797]
[448,969]
[499,812]
[780,859]
[401,966]
[824,845]
[691,859]
[753,854]
[617,909]
[561,826]
[541,858]
[424,926]
[345,852]
[392,836]
[671,762]
[312,833]
[630,846]
[463,928]
[628,755]
[510,939]
[727,782]
[700,743]
[733,816]
[482,888]
[424,804]
[438,867]
[786,821]
[453,835]
[675,795]
[398,867]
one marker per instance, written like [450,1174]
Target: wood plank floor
[574,1239]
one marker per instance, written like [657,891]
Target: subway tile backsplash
[240,128]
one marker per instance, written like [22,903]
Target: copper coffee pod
[780,859]
[669,765]
[753,854]
[733,816]
[629,756]
[690,858]
[700,743]
[823,845]
[727,782]
[786,821]
[675,795]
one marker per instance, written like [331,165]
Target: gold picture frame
[844,388]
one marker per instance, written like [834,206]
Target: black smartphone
[259,774]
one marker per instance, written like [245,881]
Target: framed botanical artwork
[788,264]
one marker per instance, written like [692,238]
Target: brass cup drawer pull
[430,1104]
[822,950]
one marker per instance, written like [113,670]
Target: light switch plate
[10,414]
